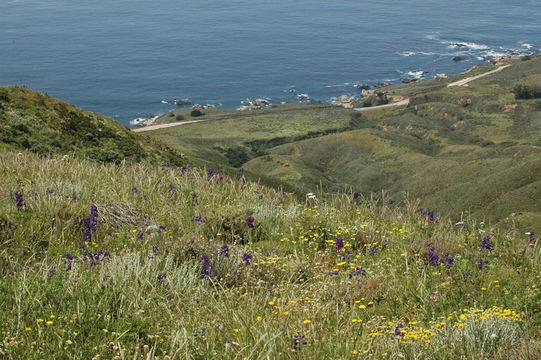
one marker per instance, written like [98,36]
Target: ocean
[133,59]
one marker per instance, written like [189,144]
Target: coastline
[347,101]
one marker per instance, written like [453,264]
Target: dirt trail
[456,83]
[163,126]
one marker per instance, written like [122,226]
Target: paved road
[399,103]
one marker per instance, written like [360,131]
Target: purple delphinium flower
[19,200]
[161,228]
[135,190]
[97,258]
[429,215]
[485,244]
[90,225]
[339,244]
[69,261]
[244,181]
[51,273]
[448,259]
[241,171]
[356,272]
[161,277]
[250,222]
[206,267]
[433,259]
[140,235]
[247,258]
[299,341]
[198,219]
[172,189]
[372,251]
[482,265]
[398,330]
[210,173]
[224,250]
[184,170]
[335,272]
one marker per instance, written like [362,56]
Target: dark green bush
[196,113]
[527,91]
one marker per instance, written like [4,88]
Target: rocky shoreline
[346,101]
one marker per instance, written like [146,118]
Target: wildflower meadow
[152,261]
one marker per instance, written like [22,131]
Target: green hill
[30,120]
[465,149]
[139,261]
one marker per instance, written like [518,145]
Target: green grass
[443,148]
[300,286]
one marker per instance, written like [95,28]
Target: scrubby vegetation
[33,121]
[142,261]
[444,147]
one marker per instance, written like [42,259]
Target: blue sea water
[132,59]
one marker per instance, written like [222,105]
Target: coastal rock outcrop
[257,102]
[344,101]
[182,102]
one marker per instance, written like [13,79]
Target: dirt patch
[509,107]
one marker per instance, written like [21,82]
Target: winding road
[395,104]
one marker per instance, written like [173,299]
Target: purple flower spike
[161,277]
[398,330]
[250,222]
[433,259]
[198,219]
[90,225]
[247,258]
[485,244]
[224,250]
[51,273]
[206,267]
[339,244]
[19,199]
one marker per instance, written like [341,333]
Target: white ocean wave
[410,53]
[466,45]
[418,74]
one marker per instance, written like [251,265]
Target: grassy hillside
[466,149]
[33,121]
[138,261]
